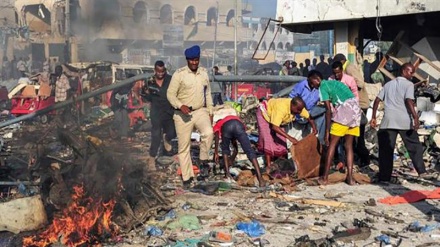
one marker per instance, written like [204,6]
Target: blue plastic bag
[153,231]
[384,239]
[252,229]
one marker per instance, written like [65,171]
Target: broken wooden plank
[323,203]
[317,202]
[377,214]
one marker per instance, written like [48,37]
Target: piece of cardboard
[307,156]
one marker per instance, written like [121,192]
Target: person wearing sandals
[401,118]
[231,129]
[342,120]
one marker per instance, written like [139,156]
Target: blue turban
[192,52]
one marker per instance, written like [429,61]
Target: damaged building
[134,31]
[411,26]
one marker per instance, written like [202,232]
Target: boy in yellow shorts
[342,119]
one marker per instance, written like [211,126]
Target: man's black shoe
[187,184]
[204,170]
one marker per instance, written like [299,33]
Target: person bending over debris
[190,95]
[343,122]
[272,117]
[401,118]
[308,90]
[232,129]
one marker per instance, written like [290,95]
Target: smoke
[109,27]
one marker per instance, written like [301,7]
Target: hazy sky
[263,8]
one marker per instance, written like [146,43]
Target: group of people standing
[339,105]
[24,67]
[332,107]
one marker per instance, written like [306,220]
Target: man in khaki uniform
[190,94]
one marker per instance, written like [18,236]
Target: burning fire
[84,221]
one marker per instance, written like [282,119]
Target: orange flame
[83,221]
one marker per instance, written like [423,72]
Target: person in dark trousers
[119,106]
[231,130]
[216,88]
[161,113]
[400,117]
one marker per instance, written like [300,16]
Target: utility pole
[235,48]
[215,36]
[67,30]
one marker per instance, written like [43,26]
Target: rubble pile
[140,207]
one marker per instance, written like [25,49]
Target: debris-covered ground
[99,189]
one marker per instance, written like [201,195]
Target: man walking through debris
[272,117]
[401,118]
[190,94]
[161,113]
[231,129]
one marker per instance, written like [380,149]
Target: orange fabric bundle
[411,196]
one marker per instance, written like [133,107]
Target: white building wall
[305,11]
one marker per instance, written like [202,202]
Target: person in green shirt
[342,119]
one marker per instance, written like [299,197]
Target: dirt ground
[317,221]
[284,216]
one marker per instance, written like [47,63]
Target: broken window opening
[166,14]
[190,16]
[272,28]
[211,16]
[230,18]
[280,46]
[139,12]
[272,46]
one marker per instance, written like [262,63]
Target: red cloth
[411,196]
[218,126]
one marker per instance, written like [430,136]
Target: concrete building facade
[135,31]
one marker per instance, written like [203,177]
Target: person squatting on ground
[190,94]
[401,118]
[272,118]
[161,113]
[231,129]
[343,121]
